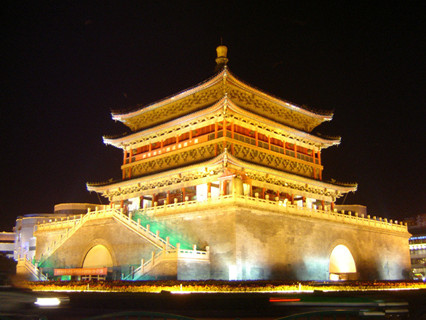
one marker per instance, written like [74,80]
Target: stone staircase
[71,225]
[28,269]
[171,255]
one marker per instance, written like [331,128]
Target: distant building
[7,244]
[25,241]
[417,227]
[223,181]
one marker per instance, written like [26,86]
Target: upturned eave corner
[121,115]
[346,186]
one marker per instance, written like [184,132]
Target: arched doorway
[98,257]
[342,264]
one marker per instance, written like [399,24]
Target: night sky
[68,63]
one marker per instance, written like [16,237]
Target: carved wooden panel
[179,159]
[272,161]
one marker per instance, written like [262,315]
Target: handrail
[278,206]
[159,256]
[145,267]
[152,237]
[74,224]
[33,269]
[68,233]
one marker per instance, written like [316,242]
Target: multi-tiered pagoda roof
[269,123]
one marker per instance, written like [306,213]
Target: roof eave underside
[121,142]
[224,159]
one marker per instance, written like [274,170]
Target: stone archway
[342,264]
[98,257]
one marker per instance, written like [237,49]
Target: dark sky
[68,63]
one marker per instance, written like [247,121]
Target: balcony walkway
[276,207]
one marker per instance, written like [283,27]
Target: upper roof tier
[207,93]
[223,109]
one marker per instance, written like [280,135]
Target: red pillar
[232,135]
[222,187]
[215,136]
[123,173]
[124,156]
[209,189]
[224,134]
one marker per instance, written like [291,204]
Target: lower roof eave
[222,161]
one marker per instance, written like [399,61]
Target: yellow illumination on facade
[237,175]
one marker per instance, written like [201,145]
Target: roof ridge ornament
[221,60]
[224,78]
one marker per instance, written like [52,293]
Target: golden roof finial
[222,52]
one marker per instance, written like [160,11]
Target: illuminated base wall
[252,244]
[244,244]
